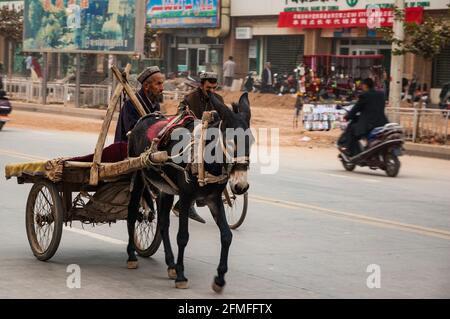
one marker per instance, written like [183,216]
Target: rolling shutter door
[441,68]
[285,52]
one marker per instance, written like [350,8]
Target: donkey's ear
[235,107]
[222,109]
[244,107]
[244,99]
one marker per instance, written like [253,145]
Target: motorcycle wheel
[349,167]
[392,164]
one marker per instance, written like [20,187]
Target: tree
[425,40]
[11,28]
[12,24]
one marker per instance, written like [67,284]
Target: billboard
[86,26]
[12,5]
[183,13]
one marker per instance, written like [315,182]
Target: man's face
[208,86]
[155,85]
[365,87]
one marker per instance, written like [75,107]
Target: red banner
[370,18]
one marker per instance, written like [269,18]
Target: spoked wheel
[392,164]
[235,207]
[44,219]
[147,237]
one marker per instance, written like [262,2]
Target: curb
[61,110]
[433,151]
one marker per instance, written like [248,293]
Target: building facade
[259,33]
[191,33]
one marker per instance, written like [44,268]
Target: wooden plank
[109,170]
[93,180]
[129,90]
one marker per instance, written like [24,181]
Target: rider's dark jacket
[371,106]
[198,102]
[129,116]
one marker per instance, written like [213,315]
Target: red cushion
[153,131]
[113,153]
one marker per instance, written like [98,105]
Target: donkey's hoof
[217,289]
[181,285]
[132,264]
[172,273]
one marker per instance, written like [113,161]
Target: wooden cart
[64,191]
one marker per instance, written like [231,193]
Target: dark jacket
[265,77]
[129,116]
[371,106]
[198,103]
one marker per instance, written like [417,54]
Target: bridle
[242,162]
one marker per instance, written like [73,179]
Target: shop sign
[244,33]
[183,14]
[243,8]
[345,18]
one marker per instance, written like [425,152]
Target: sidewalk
[425,150]
[58,109]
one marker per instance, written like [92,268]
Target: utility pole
[44,79]
[77,81]
[397,64]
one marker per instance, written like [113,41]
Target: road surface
[312,231]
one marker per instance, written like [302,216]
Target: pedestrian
[1,76]
[386,84]
[229,68]
[298,108]
[267,78]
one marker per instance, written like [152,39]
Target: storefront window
[182,60]
[201,57]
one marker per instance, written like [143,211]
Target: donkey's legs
[133,210]
[165,205]
[182,240]
[217,209]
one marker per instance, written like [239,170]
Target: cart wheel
[147,237]
[235,207]
[44,219]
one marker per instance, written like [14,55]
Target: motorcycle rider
[370,106]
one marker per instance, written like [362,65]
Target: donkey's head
[237,139]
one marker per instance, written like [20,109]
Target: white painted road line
[353,178]
[379,222]
[107,239]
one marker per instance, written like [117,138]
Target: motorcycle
[5,109]
[249,83]
[382,149]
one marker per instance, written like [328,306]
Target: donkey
[189,189]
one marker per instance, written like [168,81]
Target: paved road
[311,232]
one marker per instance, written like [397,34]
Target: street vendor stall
[342,72]
[322,116]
